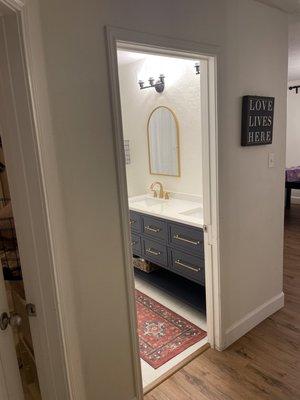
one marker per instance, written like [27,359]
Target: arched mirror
[163,142]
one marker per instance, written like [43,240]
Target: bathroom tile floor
[150,374]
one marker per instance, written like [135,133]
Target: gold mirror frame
[178,142]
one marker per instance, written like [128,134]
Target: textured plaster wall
[182,95]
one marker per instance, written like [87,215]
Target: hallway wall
[252,40]
[293,133]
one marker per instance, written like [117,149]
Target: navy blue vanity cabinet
[187,265]
[135,221]
[155,252]
[171,245]
[186,238]
[154,227]
[136,244]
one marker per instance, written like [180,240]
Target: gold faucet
[161,189]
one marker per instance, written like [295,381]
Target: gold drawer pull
[186,240]
[155,230]
[155,253]
[179,262]
[132,221]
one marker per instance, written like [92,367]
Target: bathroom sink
[186,209]
[169,206]
[195,213]
[147,202]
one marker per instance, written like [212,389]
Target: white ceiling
[294,50]
[289,6]
[292,7]
[128,57]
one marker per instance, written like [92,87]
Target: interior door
[39,340]
[10,380]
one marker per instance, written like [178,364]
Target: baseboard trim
[295,200]
[255,317]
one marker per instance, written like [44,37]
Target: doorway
[158,267]
[19,310]
[36,357]
[163,147]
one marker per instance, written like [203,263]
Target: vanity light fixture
[197,67]
[159,85]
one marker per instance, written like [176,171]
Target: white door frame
[208,54]
[29,157]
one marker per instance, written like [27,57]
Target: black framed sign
[257,120]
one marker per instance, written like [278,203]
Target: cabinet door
[136,245]
[154,227]
[155,252]
[186,238]
[135,221]
[187,265]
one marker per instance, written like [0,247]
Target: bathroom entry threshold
[204,346]
[144,284]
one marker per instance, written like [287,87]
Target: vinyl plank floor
[262,365]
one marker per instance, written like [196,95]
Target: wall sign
[257,120]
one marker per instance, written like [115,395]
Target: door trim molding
[209,54]
[39,220]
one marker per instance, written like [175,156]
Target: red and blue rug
[163,334]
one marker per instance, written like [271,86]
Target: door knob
[13,320]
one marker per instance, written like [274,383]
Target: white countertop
[186,209]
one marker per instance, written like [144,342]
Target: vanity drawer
[155,252]
[186,265]
[135,221]
[186,238]
[154,227]
[136,245]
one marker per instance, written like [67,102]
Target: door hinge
[208,231]
[31,310]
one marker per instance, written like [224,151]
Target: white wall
[293,133]
[182,96]
[253,60]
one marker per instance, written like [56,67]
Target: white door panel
[10,380]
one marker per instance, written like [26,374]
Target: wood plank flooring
[265,363]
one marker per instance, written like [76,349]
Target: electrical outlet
[271,160]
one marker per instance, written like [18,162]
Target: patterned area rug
[163,334]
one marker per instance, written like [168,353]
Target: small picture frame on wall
[257,120]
